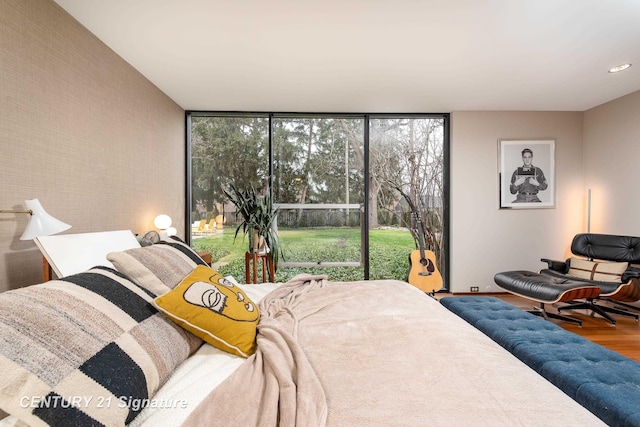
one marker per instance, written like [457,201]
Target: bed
[365,353]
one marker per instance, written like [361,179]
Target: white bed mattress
[191,382]
[196,377]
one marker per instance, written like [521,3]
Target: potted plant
[258,220]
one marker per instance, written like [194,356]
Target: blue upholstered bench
[601,380]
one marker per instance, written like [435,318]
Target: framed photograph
[526,174]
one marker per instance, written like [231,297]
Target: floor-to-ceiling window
[408,191]
[318,187]
[356,193]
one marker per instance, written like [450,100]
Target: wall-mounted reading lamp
[40,223]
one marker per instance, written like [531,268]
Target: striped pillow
[158,268]
[87,349]
[597,270]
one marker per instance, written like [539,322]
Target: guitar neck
[420,234]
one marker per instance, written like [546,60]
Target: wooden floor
[623,338]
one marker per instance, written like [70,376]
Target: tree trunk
[374,188]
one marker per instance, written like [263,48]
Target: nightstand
[206,257]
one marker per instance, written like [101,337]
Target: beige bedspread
[378,353]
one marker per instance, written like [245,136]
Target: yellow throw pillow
[597,270]
[214,309]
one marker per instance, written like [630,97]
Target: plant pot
[259,244]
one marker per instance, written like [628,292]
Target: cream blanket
[378,353]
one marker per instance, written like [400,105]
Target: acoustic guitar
[423,273]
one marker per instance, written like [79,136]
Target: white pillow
[597,270]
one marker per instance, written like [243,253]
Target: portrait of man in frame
[527,173]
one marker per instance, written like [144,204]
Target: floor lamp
[589,211]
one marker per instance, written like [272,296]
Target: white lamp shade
[162,222]
[41,223]
[171,231]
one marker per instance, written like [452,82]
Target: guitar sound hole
[425,262]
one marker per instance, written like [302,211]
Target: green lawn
[389,251]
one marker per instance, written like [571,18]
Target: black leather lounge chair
[608,264]
[605,271]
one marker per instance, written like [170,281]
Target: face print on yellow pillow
[214,309]
[226,299]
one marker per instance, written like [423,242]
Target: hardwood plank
[623,338]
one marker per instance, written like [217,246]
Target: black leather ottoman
[545,290]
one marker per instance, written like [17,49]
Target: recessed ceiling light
[619,68]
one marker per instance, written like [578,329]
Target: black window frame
[367,117]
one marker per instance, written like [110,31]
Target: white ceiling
[375,55]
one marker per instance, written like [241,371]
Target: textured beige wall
[486,240]
[103,149]
[611,155]
[80,129]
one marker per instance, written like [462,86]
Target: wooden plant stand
[251,260]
